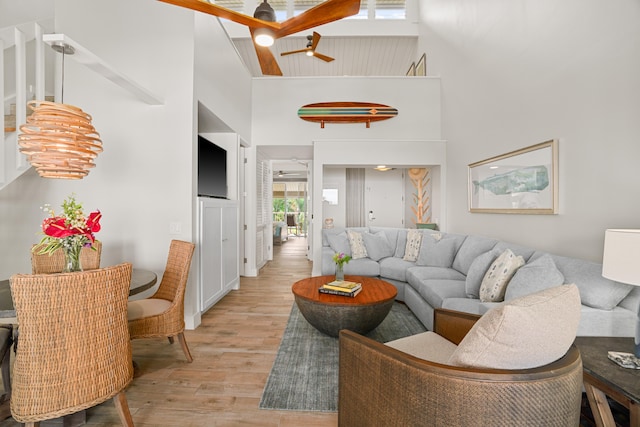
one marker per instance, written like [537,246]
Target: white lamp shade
[621,260]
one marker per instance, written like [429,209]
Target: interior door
[383,198]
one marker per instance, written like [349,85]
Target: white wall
[518,72]
[143,179]
[222,83]
[276,102]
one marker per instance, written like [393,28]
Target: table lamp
[621,262]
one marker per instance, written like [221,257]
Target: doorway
[384,198]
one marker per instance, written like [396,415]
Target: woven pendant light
[58,139]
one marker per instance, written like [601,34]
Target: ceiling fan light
[263,37]
[309,53]
[265,12]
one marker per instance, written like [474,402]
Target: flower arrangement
[70,232]
[340,258]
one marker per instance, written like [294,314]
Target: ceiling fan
[281,174]
[310,50]
[264,30]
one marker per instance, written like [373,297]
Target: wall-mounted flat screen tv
[212,169]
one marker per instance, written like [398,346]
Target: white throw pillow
[495,281]
[412,250]
[524,333]
[358,249]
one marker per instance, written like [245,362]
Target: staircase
[16,44]
[10,119]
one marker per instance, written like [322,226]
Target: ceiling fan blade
[323,57]
[293,51]
[223,12]
[315,40]
[267,61]
[328,11]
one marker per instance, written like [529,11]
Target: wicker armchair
[162,315]
[74,350]
[54,263]
[6,339]
[382,386]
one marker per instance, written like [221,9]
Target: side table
[603,378]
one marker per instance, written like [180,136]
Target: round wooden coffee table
[331,313]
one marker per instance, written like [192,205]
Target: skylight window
[382,9]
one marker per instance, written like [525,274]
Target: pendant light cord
[62,89]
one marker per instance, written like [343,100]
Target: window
[384,9]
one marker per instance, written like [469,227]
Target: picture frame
[412,69]
[421,66]
[523,181]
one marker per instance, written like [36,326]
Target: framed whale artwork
[524,181]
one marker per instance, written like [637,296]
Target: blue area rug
[304,376]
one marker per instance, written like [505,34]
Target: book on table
[324,290]
[342,285]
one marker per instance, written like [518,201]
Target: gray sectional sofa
[449,268]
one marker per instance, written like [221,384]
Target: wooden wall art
[421,207]
[346,112]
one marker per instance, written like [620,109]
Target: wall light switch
[175,228]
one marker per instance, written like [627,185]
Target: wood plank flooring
[233,350]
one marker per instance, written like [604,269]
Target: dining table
[141,280]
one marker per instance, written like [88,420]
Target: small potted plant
[340,258]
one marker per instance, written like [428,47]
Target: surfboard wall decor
[346,112]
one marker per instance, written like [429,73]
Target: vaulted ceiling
[380,41]
[353,55]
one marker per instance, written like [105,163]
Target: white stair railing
[13,107]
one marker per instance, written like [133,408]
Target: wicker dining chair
[6,339]
[54,263]
[74,350]
[162,314]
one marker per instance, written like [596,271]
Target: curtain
[354,195]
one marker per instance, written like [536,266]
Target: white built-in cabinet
[218,249]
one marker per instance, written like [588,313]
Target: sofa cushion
[356,242]
[390,233]
[377,245]
[477,270]
[427,345]
[362,267]
[466,305]
[412,248]
[439,249]
[418,274]
[522,251]
[435,291]
[523,333]
[339,243]
[471,248]
[395,268]
[533,277]
[595,290]
[495,281]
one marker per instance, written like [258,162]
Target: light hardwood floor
[233,350]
